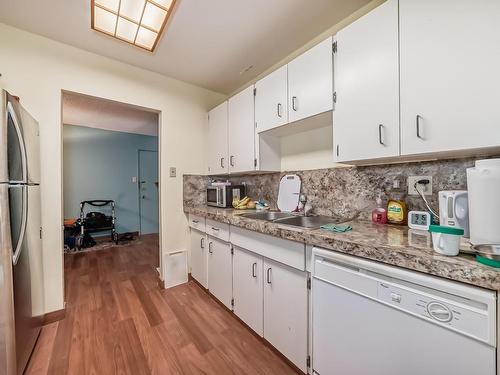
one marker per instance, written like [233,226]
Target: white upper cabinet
[450,80]
[310,82]
[217,147]
[242,131]
[271,100]
[366,117]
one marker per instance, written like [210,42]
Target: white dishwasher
[372,319]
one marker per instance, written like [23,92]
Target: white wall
[37,69]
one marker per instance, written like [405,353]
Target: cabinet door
[248,288]
[220,271]
[310,82]
[217,140]
[241,131]
[271,100]
[450,82]
[285,311]
[366,121]
[199,257]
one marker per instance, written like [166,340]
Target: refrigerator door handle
[24,221]
[22,145]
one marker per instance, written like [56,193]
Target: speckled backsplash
[341,192]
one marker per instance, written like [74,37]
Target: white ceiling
[82,110]
[206,42]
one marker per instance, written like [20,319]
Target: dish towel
[336,228]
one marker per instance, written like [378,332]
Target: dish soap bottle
[379,214]
[396,206]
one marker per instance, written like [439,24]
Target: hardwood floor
[118,321]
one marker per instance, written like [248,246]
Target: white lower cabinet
[248,288]
[199,257]
[220,271]
[286,311]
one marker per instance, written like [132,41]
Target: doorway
[148,191]
[108,149]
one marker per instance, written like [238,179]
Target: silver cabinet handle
[417,120]
[380,128]
[269,275]
[202,243]
[222,162]
[210,248]
[195,221]
[338,150]
[231,160]
[294,103]
[279,110]
[215,229]
[254,269]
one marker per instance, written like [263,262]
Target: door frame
[159,114]
[139,186]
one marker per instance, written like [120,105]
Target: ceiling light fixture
[138,22]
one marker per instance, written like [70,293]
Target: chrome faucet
[304,207]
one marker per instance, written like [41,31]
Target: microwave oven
[223,196]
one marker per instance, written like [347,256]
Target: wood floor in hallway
[118,321]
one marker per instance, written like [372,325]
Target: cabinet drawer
[218,230]
[284,251]
[197,222]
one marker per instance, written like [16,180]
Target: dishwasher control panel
[469,320]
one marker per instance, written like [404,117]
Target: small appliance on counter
[483,185]
[222,194]
[454,209]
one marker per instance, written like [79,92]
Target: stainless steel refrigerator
[21,258]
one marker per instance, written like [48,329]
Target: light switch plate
[173,172]
[134,179]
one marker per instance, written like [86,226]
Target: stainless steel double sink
[284,218]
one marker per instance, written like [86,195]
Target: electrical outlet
[173,172]
[426,189]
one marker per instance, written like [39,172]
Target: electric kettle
[454,209]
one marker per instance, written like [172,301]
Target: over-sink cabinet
[411,80]
[263,279]
[297,91]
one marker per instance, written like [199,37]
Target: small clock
[419,220]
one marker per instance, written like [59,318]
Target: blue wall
[100,164]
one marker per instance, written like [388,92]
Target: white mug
[446,244]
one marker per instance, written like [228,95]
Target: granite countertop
[390,244]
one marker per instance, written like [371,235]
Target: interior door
[220,271]
[218,140]
[199,261]
[271,100]
[310,82]
[148,191]
[366,67]
[241,125]
[285,311]
[248,289]
[450,54]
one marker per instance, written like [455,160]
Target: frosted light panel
[109,4]
[146,38]
[126,29]
[132,9]
[104,20]
[164,3]
[137,22]
[153,17]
